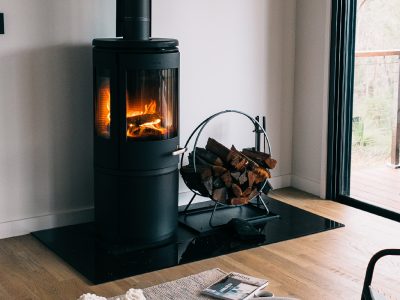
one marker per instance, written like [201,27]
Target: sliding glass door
[375,176]
[364,128]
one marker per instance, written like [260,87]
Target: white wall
[45,115]
[235,54]
[311,95]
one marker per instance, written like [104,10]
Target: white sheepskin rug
[132,294]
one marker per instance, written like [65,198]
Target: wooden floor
[379,186]
[327,265]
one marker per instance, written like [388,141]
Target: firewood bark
[235,175]
[220,195]
[209,157]
[254,154]
[270,162]
[239,201]
[217,148]
[253,194]
[238,162]
[247,192]
[243,178]
[218,171]
[224,173]
[263,159]
[218,183]
[261,174]
[207,180]
[193,179]
[199,161]
[227,179]
[236,190]
[205,173]
[208,184]
[252,177]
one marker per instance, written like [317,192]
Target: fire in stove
[146,122]
[103,115]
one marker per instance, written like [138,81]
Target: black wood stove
[136,130]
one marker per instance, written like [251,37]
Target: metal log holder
[258,211]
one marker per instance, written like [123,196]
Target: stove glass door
[151,104]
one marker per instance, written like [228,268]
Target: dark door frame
[341,82]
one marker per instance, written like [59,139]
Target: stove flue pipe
[134,19]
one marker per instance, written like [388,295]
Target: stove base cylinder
[136,207]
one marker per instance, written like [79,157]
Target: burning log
[138,120]
[145,125]
[228,175]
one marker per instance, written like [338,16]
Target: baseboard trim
[64,218]
[306,185]
[281,181]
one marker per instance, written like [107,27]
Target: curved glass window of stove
[103,103]
[151,104]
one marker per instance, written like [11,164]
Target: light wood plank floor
[328,265]
[379,186]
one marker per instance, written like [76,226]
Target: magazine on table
[235,286]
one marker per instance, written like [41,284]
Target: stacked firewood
[227,175]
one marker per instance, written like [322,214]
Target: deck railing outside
[395,140]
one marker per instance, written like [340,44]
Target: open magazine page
[235,286]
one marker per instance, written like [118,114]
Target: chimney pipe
[134,19]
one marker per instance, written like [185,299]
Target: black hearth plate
[78,246]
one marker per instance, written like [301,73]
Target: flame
[108,115]
[103,114]
[145,122]
[142,121]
